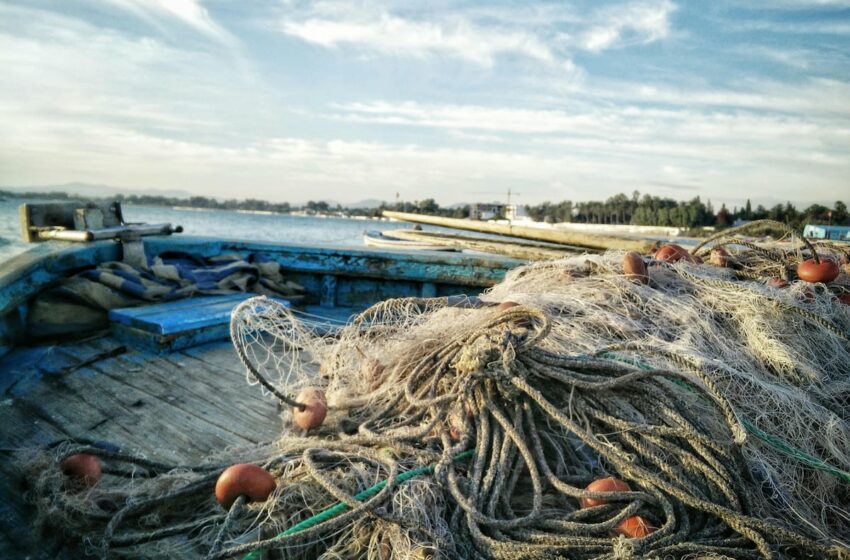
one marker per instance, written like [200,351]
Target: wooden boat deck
[176,408]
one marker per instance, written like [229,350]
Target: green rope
[340,507]
[775,442]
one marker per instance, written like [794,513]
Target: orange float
[315,408]
[82,467]
[635,527]
[673,253]
[634,268]
[609,484]
[720,257]
[825,271]
[244,479]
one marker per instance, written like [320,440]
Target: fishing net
[460,428]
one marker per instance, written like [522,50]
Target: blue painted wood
[26,274]
[182,316]
[362,275]
[184,304]
[328,297]
[429,290]
[422,266]
[167,343]
[23,368]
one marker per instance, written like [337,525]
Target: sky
[458,101]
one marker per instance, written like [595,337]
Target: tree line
[427,206]
[649,210]
[643,210]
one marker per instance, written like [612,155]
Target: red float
[244,479]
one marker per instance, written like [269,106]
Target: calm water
[218,223]
[231,225]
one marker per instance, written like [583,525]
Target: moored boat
[159,376]
[579,405]
[372,238]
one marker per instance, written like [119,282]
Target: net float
[634,527]
[82,467]
[456,425]
[720,257]
[825,271]
[673,253]
[244,479]
[506,305]
[634,268]
[844,298]
[315,408]
[325,370]
[609,484]
[372,371]
[777,282]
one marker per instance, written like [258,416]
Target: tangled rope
[462,429]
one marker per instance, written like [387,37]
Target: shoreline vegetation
[617,210]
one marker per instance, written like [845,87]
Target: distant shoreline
[691,217]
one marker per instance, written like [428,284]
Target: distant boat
[374,238]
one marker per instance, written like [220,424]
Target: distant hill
[94,190]
[368,203]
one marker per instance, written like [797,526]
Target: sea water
[278,228]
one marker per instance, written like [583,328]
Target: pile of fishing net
[706,406]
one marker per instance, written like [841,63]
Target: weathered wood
[159,316]
[443,268]
[178,409]
[393,273]
[26,274]
[498,246]
[68,216]
[599,242]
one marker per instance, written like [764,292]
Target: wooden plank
[124,314]
[179,409]
[17,539]
[460,269]
[591,241]
[166,343]
[167,329]
[183,316]
[141,402]
[216,396]
[23,369]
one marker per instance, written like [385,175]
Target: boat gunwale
[26,275]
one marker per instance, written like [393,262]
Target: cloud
[116,104]
[542,33]
[466,117]
[687,145]
[675,186]
[798,4]
[78,76]
[189,12]
[636,23]
[396,36]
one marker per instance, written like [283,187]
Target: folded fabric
[80,304]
